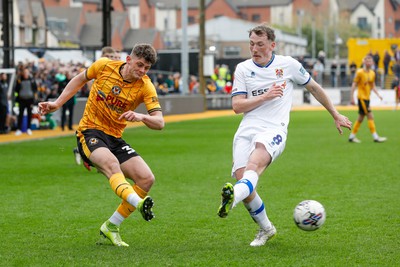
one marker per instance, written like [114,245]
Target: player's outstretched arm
[154,120]
[376,92]
[319,94]
[69,91]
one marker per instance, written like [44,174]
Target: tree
[319,39]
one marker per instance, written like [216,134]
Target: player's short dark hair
[145,51]
[263,29]
[107,50]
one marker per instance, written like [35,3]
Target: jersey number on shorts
[277,139]
[128,149]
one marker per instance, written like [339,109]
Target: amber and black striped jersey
[365,81]
[110,96]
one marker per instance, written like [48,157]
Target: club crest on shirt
[116,90]
[93,141]
[279,73]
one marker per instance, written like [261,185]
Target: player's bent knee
[146,182]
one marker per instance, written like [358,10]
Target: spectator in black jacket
[63,80]
[3,102]
[25,90]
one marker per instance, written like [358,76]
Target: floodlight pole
[202,47]
[106,18]
[184,49]
[6,34]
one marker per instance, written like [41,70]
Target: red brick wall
[215,8]
[319,12]
[218,8]
[147,12]
[116,41]
[158,42]
[263,12]
[52,3]
[391,15]
[117,5]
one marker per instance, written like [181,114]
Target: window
[256,17]
[362,23]
[191,20]
[165,23]
[397,25]
[75,3]
[57,25]
[378,23]
[28,34]
[232,51]
[41,36]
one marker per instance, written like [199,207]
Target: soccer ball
[309,215]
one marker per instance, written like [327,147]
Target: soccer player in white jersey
[262,91]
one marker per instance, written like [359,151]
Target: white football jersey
[252,80]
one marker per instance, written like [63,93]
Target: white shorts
[244,143]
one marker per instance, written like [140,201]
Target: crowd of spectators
[220,82]
[339,74]
[46,80]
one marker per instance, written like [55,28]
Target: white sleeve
[300,75]
[239,82]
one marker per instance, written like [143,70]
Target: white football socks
[257,211]
[245,186]
[133,199]
[116,218]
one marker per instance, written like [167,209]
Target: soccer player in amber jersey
[108,52]
[118,89]
[364,80]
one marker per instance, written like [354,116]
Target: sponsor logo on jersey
[262,91]
[259,92]
[112,102]
[252,74]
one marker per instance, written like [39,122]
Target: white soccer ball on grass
[309,215]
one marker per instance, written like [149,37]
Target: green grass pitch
[52,209]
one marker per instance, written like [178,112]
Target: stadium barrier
[171,105]
[184,104]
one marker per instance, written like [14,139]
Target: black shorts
[93,139]
[363,107]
